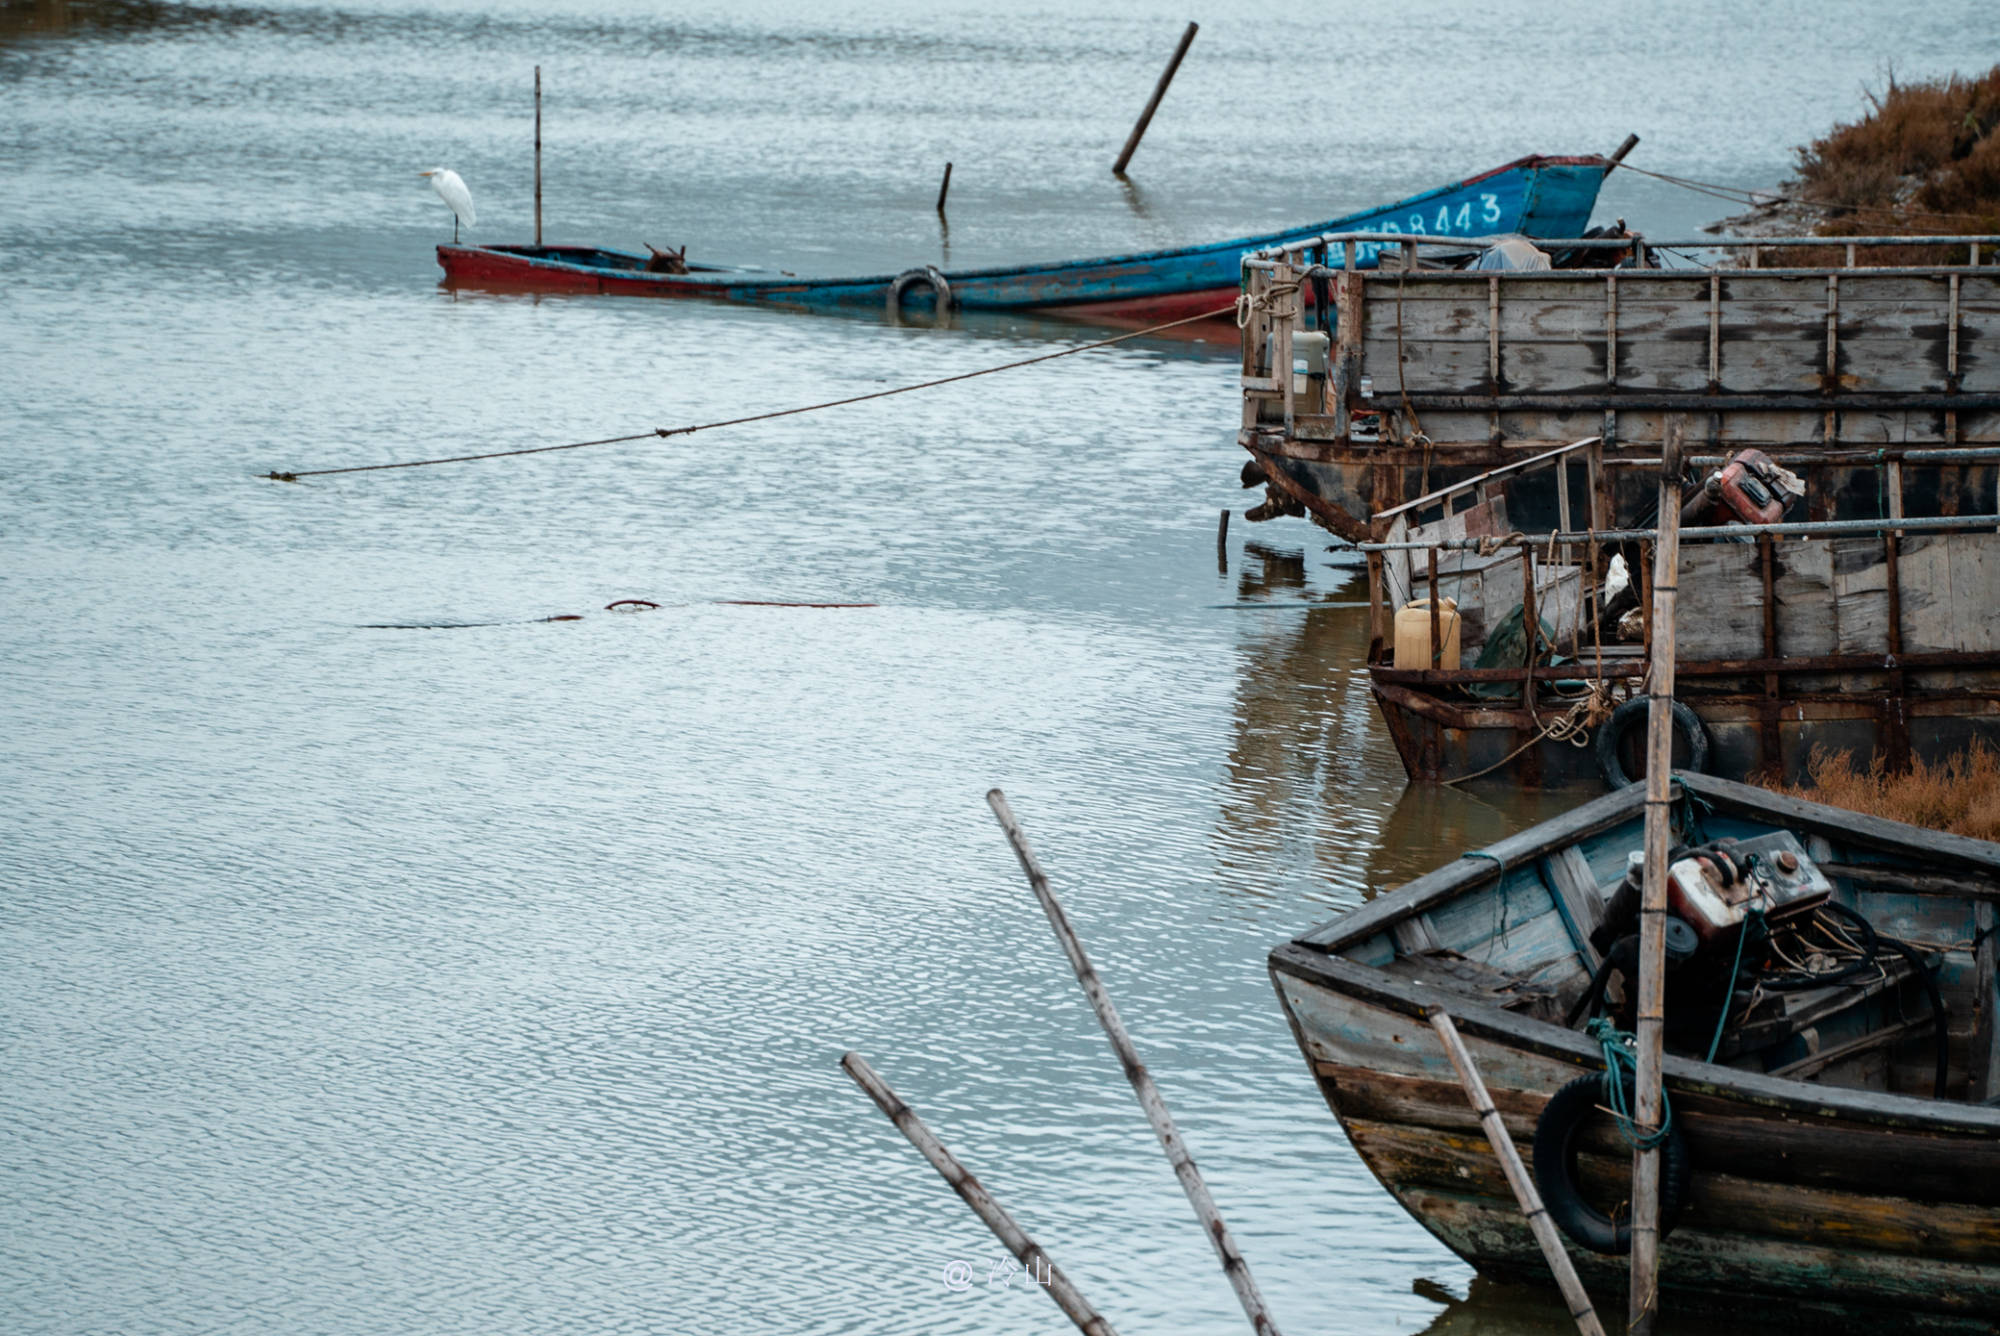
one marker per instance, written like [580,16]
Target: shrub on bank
[1925,159]
[1959,795]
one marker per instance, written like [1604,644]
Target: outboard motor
[1750,489]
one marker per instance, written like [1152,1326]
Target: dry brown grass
[1960,794]
[1925,159]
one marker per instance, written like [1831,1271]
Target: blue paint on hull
[1547,197]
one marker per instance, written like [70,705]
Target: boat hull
[1440,737]
[1542,196]
[1825,1190]
[1797,1207]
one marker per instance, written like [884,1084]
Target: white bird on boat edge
[451,189]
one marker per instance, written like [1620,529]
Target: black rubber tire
[1613,730]
[1555,1169]
[930,276]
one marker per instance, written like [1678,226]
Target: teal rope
[1729,989]
[1617,1047]
[1692,809]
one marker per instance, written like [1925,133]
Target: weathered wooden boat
[1539,196]
[1842,1148]
[1877,637]
[1409,376]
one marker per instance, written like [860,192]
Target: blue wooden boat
[1538,196]
[1835,1110]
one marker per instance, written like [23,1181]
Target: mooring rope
[1762,198]
[664,432]
[1619,1059]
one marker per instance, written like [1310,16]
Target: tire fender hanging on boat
[928,274]
[1613,730]
[1557,1133]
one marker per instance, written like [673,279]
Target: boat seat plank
[1577,899]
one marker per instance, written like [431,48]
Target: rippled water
[376,956]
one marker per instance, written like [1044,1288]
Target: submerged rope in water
[663,432]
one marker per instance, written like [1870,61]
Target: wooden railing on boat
[1362,386]
[1867,634]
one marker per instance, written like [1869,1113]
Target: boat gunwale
[1313,957]
[1533,163]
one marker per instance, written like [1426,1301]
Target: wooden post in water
[1153,103]
[944,189]
[1040,1266]
[1222,543]
[1644,1306]
[1233,1265]
[1518,1177]
[538,155]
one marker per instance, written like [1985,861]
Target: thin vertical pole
[970,1190]
[1436,659]
[944,189]
[1644,1307]
[1233,1264]
[1153,103]
[538,155]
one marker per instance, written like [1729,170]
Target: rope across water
[664,432]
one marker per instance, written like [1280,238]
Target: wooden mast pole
[1644,1306]
[1233,1264]
[538,155]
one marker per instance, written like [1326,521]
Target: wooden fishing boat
[1842,1151]
[1539,196]
[1876,637]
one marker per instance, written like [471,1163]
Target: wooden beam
[1577,896]
[1644,1307]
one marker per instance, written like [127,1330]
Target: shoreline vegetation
[1925,159]
[1959,795]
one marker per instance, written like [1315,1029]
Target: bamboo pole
[1233,1264]
[1644,1304]
[1518,1177]
[1040,1265]
[1153,103]
[944,188]
[538,155]
[1222,543]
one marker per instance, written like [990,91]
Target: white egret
[452,191]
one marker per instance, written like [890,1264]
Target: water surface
[377,956]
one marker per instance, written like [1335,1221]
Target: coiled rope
[664,432]
[1573,726]
[1618,1060]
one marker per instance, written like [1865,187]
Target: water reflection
[1491,1306]
[1434,823]
[1309,765]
